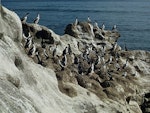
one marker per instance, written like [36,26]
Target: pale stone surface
[26,87]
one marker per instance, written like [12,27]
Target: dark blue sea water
[132,17]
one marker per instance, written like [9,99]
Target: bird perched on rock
[76,22]
[76,59]
[38,57]
[32,50]
[114,28]
[65,51]
[45,53]
[96,26]
[103,27]
[24,19]
[89,20]
[54,51]
[91,69]
[63,62]
[69,49]
[28,43]
[36,20]
[124,74]
[125,47]
[126,64]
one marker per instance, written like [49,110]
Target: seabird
[69,49]
[135,74]
[45,53]
[109,60]
[102,60]
[91,69]
[76,22]
[24,19]
[117,66]
[110,76]
[80,70]
[91,28]
[124,74]
[125,47]
[114,28]
[125,65]
[26,37]
[65,51]
[39,59]
[89,20]
[63,62]
[103,27]
[28,43]
[114,46]
[54,51]
[36,21]
[96,26]
[32,50]
[76,60]
[97,60]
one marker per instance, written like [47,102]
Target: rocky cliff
[83,71]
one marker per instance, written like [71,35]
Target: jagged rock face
[6,19]
[28,85]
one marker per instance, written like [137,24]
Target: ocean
[131,17]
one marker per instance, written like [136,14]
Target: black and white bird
[32,50]
[97,60]
[69,49]
[76,22]
[126,64]
[65,51]
[80,70]
[114,28]
[38,57]
[125,47]
[24,19]
[26,37]
[45,53]
[76,59]
[103,27]
[91,69]
[117,66]
[54,51]
[114,46]
[109,60]
[28,43]
[36,20]
[124,74]
[89,20]
[63,62]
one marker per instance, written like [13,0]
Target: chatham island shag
[69,49]
[126,64]
[65,51]
[76,22]
[24,19]
[28,43]
[36,20]
[103,27]
[76,59]
[89,20]
[114,28]
[91,69]
[54,51]
[32,50]
[38,57]
[45,53]
[63,62]
[96,25]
